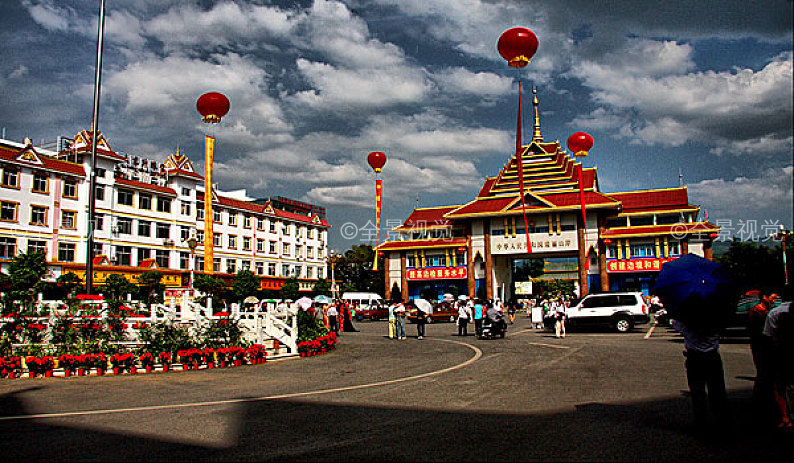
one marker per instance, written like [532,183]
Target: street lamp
[192,243]
[333,258]
[784,236]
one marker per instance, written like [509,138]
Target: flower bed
[317,346]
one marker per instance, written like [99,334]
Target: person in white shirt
[779,326]
[333,318]
[464,316]
[559,314]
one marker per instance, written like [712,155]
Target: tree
[69,283]
[355,270]
[245,284]
[151,288]
[322,287]
[290,289]
[116,287]
[24,276]
[754,267]
[208,285]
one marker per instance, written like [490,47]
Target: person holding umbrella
[697,293]
[423,309]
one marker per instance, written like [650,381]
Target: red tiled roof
[482,206]
[420,244]
[428,217]
[673,198]
[145,186]
[572,198]
[47,163]
[260,209]
[679,229]
[486,187]
[184,173]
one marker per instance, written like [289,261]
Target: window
[612,252]
[260,268]
[616,222]
[145,201]
[641,221]
[8,211]
[69,188]
[163,230]
[285,229]
[260,224]
[217,215]
[8,247]
[144,228]
[271,269]
[216,264]
[124,197]
[199,211]
[38,215]
[309,272]
[40,183]
[200,236]
[124,225]
[231,266]
[232,218]
[99,192]
[247,221]
[438,260]
[97,249]
[232,242]
[246,264]
[163,204]
[642,250]
[260,245]
[673,248]
[273,247]
[601,301]
[10,178]
[162,258]
[184,260]
[184,233]
[144,254]
[310,233]
[199,263]
[410,261]
[272,227]
[285,249]
[285,270]
[185,208]
[216,239]
[246,243]
[668,219]
[298,271]
[37,246]
[185,191]
[99,221]
[67,219]
[124,255]
[100,172]
[298,251]
[66,252]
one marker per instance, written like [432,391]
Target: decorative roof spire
[536,135]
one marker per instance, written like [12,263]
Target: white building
[145,213]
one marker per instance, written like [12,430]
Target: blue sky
[702,87]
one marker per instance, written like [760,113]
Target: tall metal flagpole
[520,162]
[89,259]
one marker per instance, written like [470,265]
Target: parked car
[374,311]
[442,312]
[737,322]
[619,311]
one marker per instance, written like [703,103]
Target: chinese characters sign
[636,265]
[436,273]
[541,242]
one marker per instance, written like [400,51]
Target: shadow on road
[313,430]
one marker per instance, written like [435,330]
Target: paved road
[591,396]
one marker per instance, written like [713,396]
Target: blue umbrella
[694,289]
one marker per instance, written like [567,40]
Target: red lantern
[607,242]
[212,106]
[580,143]
[517,45]
[376,160]
[462,249]
[713,236]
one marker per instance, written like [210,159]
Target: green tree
[355,270]
[322,287]
[245,284]
[754,266]
[290,289]
[208,285]
[117,287]
[24,276]
[150,287]
[70,284]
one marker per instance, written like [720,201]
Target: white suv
[621,311]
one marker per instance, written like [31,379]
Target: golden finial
[536,136]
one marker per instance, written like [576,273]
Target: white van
[362,298]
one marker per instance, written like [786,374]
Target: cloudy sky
[703,88]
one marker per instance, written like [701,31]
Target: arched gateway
[470,248]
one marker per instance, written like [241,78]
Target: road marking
[650,331]
[477,355]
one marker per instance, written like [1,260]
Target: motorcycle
[492,329]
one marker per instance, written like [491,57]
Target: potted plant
[10,366]
[100,362]
[121,362]
[147,361]
[256,354]
[221,353]
[209,357]
[69,363]
[165,360]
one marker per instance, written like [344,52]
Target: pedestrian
[399,313]
[779,328]
[479,313]
[704,370]
[559,318]
[393,320]
[537,316]
[464,316]
[347,319]
[511,311]
[332,315]
[421,319]
[760,348]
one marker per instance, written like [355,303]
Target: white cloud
[483,84]
[769,195]
[20,71]
[49,16]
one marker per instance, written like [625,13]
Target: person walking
[347,319]
[393,320]
[760,348]
[779,327]
[511,311]
[704,372]
[421,320]
[464,316]
[479,314]
[333,315]
[399,313]
[559,318]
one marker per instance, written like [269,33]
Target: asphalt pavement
[594,395]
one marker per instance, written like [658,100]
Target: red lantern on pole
[212,106]
[377,160]
[607,241]
[517,45]
[580,143]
